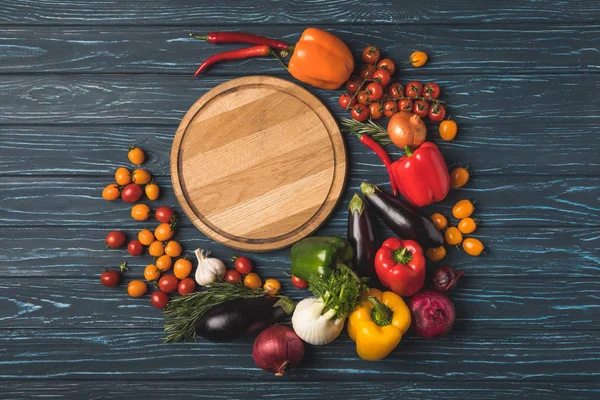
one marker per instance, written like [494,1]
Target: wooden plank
[122,355]
[452,49]
[132,12]
[81,253]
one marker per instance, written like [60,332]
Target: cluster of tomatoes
[129,184]
[242,271]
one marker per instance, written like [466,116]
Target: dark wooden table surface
[80,81]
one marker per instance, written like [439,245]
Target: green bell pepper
[319,255]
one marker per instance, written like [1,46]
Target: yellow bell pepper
[378,323]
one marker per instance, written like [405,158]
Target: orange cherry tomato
[463,209]
[173,249]
[141,176]
[272,286]
[123,176]
[137,288]
[163,232]
[140,212]
[453,236]
[136,155]
[151,272]
[156,249]
[467,225]
[436,253]
[111,192]
[473,247]
[418,58]
[152,191]
[182,268]
[253,281]
[439,221]
[448,129]
[146,237]
[459,177]
[164,262]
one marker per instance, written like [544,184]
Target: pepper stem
[402,256]
[205,37]
[278,58]
[356,204]
[381,314]
[408,151]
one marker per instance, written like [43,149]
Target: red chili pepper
[383,155]
[239,37]
[255,51]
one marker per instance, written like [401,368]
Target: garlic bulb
[209,269]
[314,327]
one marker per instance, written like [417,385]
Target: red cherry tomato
[110,278]
[376,110]
[353,83]
[132,193]
[421,108]
[159,299]
[232,276]
[186,286]
[395,91]
[299,283]
[371,55]
[359,112]
[405,105]
[413,89]
[382,76]
[390,108]
[164,214]
[437,113]
[388,65]
[135,248]
[242,264]
[168,283]
[363,98]
[346,100]
[366,72]
[374,91]
[115,239]
[431,90]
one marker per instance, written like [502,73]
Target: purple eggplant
[362,237]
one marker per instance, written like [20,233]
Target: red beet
[444,279]
[432,314]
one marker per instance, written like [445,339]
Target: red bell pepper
[400,266]
[422,176]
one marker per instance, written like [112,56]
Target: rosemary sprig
[340,291]
[182,313]
[377,132]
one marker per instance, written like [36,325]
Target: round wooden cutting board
[258,163]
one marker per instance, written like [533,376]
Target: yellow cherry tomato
[152,191]
[140,212]
[448,129]
[436,253]
[156,249]
[439,221]
[473,246]
[136,155]
[146,237]
[418,58]
[164,263]
[252,281]
[463,209]
[111,192]
[137,288]
[272,286]
[123,176]
[141,176]
[151,272]
[163,232]
[453,236]
[173,249]
[459,177]
[182,268]
[467,225]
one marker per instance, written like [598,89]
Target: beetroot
[432,314]
[444,279]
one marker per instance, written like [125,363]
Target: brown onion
[278,348]
[407,129]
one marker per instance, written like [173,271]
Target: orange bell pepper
[321,59]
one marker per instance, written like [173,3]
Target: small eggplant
[402,218]
[362,238]
[236,318]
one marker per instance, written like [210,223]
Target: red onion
[445,278]
[432,314]
[278,348]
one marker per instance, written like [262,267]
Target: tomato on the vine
[359,112]
[159,299]
[390,108]
[421,108]
[135,248]
[131,193]
[431,91]
[413,89]
[164,214]
[346,100]
[353,83]
[382,76]
[232,276]
[242,264]
[299,283]
[374,91]
[376,110]
[366,72]
[363,98]
[186,286]
[371,55]
[388,65]
[437,112]
[395,91]
[405,105]
[115,239]
[168,283]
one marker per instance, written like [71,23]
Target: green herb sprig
[377,132]
[341,290]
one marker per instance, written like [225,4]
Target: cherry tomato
[299,283]
[376,110]
[159,299]
[388,65]
[164,262]
[136,155]
[413,89]
[463,209]
[346,100]
[168,283]
[453,236]
[242,264]
[152,191]
[353,83]
[363,98]
[173,249]
[272,286]
[252,281]
[135,248]
[140,212]
[366,72]
[164,214]
[182,268]
[418,59]
[371,55]
[123,176]
[146,237]
[232,276]
[186,286]
[437,112]
[115,239]
[473,247]
[396,90]
[163,232]
[141,176]
[382,76]
[111,192]
[374,91]
[405,105]
[110,278]
[390,108]
[156,249]
[448,129]
[137,288]
[151,272]
[436,253]
[439,221]
[359,112]
[421,108]
[431,91]
[131,193]
[467,225]
[459,177]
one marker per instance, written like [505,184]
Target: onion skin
[444,279]
[432,314]
[277,348]
[407,129]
